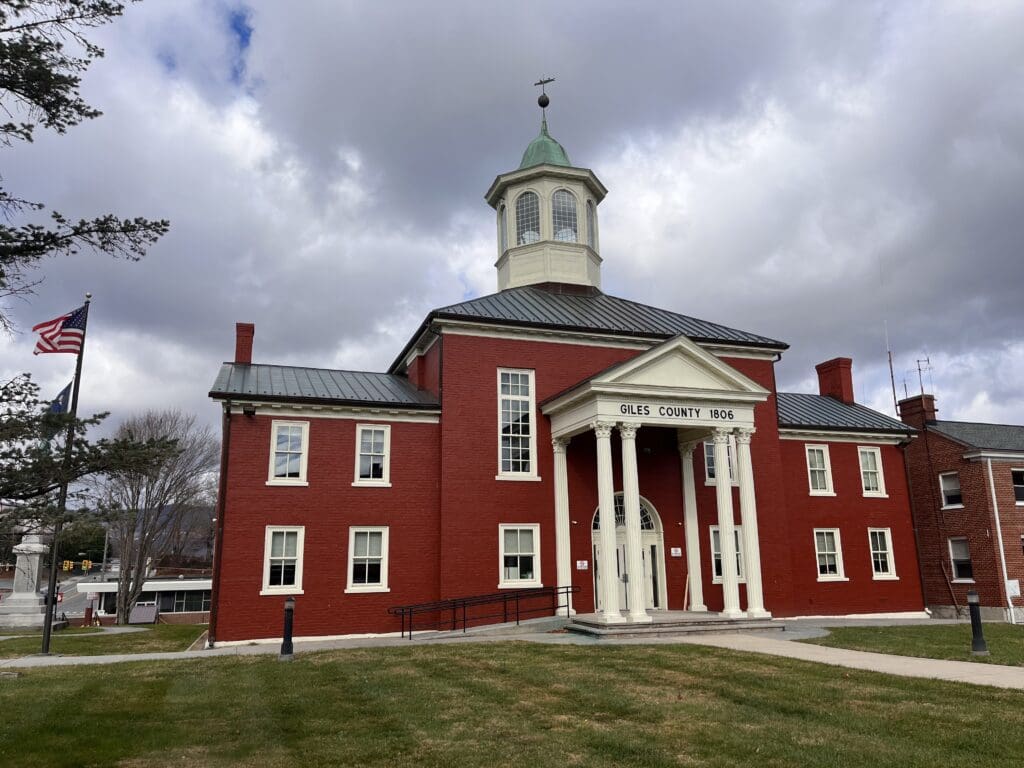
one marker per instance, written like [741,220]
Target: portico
[674,385]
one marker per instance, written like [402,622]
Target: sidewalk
[770,642]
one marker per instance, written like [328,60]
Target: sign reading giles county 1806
[682,412]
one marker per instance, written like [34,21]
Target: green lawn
[502,704]
[92,642]
[943,641]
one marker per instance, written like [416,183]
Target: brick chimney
[918,409]
[835,378]
[243,342]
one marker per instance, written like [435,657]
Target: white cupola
[547,218]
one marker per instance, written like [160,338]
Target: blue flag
[62,402]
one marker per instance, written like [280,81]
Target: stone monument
[25,606]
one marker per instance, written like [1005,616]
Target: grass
[944,641]
[502,704]
[85,641]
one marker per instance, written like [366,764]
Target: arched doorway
[652,554]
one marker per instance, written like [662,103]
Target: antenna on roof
[892,376]
[906,392]
[920,370]
[543,99]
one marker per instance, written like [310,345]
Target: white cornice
[837,436]
[356,412]
[981,454]
[554,336]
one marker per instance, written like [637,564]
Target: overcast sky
[806,171]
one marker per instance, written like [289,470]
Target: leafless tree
[144,508]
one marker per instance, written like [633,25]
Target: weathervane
[543,99]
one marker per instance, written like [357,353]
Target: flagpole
[62,496]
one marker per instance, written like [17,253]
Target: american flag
[62,334]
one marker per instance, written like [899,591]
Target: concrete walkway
[775,642]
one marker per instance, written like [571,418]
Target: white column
[748,518]
[631,504]
[606,505]
[563,551]
[726,526]
[690,529]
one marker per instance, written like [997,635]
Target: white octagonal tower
[547,219]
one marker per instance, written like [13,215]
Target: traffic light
[86,565]
[68,565]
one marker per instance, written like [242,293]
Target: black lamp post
[286,642]
[978,645]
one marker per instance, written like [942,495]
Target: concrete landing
[666,624]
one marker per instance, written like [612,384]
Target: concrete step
[669,628]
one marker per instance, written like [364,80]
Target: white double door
[651,559]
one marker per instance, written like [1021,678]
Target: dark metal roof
[321,385]
[594,311]
[798,410]
[989,437]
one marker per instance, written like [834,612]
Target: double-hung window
[710,471]
[517,432]
[520,555]
[819,471]
[949,484]
[368,559]
[289,452]
[282,560]
[373,449]
[882,565]
[872,481]
[716,555]
[1018,486]
[960,559]
[829,554]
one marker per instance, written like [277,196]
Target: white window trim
[533,474]
[521,583]
[713,481]
[841,575]
[881,492]
[712,530]
[952,568]
[301,480]
[1012,486]
[295,589]
[942,491]
[830,489]
[891,576]
[385,482]
[384,547]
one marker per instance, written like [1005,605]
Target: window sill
[288,483]
[521,585]
[281,592]
[713,483]
[833,578]
[893,577]
[365,484]
[526,478]
[951,506]
[366,590]
[822,493]
[875,495]
[963,581]
[718,580]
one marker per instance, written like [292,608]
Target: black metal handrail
[453,611]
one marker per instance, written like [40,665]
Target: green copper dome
[544,149]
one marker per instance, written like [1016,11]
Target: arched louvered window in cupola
[563,216]
[527,219]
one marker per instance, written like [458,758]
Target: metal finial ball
[543,100]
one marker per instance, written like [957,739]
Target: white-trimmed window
[289,452]
[819,470]
[949,485]
[563,216]
[373,455]
[716,555]
[829,553]
[282,560]
[520,555]
[1018,486]
[882,564]
[517,433]
[960,559]
[368,559]
[527,218]
[872,480]
[710,473]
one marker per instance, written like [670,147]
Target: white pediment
[678,364]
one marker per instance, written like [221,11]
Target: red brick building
[968,501]
[551,434]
